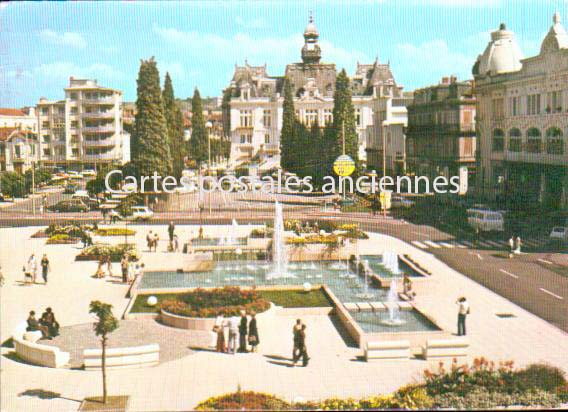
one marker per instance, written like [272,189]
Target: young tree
[198,148]
[105,325]
[150,148]
[288,138]
[344,119]
[174,121]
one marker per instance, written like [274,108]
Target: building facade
[21,119]
[255,101]
[440,138]
[19,149]
[83,130]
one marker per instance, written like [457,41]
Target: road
[536,281]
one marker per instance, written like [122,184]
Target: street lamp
[209,126]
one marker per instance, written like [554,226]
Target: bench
[129,357]
[27,348]
[397,349]
[445,348]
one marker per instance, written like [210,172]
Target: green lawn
[286,298]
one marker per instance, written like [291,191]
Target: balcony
[98,115]
[104,101]
[98,129]
[101,157]
[100,142]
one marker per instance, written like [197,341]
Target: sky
[42,44]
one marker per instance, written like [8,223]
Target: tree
[198,148]
[174,121]
[150,148]
[344,119]
[105,325]
[288,138]
[317,156]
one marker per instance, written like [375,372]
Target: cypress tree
[288,157]
[344,119]
[174,120]
[198,149]
[150,150]
[316,154]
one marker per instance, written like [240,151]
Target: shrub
[115,252]
[244,400]
[480,398]
[61,239]
[73,230]
[228,301]
[115,231]
[540,376]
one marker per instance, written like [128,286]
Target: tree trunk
[104,342]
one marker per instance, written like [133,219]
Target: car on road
[138,213]
[398,201]
[83,195]
[71,205]
[559,234]
[89,172]
[486,220]
[70,189]
[74,175]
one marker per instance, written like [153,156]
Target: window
[61,110]
[311,116]
[73,110]
[498,109]
[246,138]
[554,142]
[46,152]
[514,104]
[554,102]
[46,138]
[358,118]
[246,118]
[44,111]
[498,141]
[267,139]
[534,141]
[533,104]
[515,140]
[45,124]
[18,151]
[74,124]
[267,118]
[327,116]
[75,152]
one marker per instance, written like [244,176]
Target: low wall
[41,355]
[346,319]
[129,357]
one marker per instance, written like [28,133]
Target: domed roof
[556,37]
[311,29]
[502,54]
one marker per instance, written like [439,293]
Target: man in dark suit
[243,333]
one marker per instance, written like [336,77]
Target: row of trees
[158,136]
[15,184]
[311,151]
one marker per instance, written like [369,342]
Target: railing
[98,129]
[101,156]
[104,100]
[98,115]
[111,141]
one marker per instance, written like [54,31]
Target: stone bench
[35,353]
[445,348]
[129,357]
[398,349]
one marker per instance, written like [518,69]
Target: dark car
[70,189]
[73,205]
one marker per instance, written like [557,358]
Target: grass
[114,404]
[285,298]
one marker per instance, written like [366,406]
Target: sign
[463,180]
[344,166]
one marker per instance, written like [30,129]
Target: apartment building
[522,119]
[440,138]
[83,130]
[22,119]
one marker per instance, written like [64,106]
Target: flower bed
[115,252]
[227,301]
[114,231]
[61,239]
[73,230]
[313,239]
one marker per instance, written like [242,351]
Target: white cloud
[436,59]
[250,23]
[277,51]
[69,39]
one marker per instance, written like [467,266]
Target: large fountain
[390,261]
[279,258]
[365,294]
[392,306]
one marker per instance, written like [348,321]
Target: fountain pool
[378,322]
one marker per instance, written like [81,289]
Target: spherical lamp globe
[152,301]
[307,287]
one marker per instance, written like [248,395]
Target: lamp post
[384,168]
[209,126]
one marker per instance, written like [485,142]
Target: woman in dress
[253,339]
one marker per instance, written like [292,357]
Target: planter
[113,258]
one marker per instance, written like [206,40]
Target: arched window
[498,141]
[554,141]
[515,140]
[534,140]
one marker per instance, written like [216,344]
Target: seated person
[48,320]
[407,287]
[34,325]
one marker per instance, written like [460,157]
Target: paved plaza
[184,376]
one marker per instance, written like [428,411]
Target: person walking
[149,240]
[175,245]
[463,311]
[156,240]
[233,333]
[243,329]
[253,339]
[219,330]
[32,267]
[511,247]
[518,244]
[303,347]
[124,267]
[171,230]
[109,265]
[296,336]
[44,268]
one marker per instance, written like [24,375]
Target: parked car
[74,175]
[486,220]
[72,205]
[138,213]
[83,195]
[398,201]
[70,189]
[89,172]
[559,233]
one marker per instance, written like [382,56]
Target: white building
[255,108]
[18,149]
[22,119]
[522,119]
[84,129]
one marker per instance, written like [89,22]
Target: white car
[398,201]
[559,233]
[141,213]
[74,175]
[485,220]
[89,172]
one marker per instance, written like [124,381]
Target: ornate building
[522,119]
[254,110]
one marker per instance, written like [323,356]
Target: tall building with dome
[254,110]
[522,120]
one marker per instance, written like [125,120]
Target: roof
[6,132]
[502,54]
[11,112]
